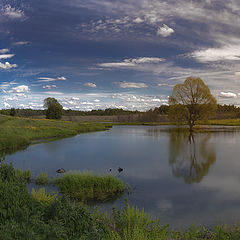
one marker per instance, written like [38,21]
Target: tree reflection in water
[190,157]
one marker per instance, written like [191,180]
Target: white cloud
[50,79]
[11,12]
[20,89]
[138,20]
[49,86]
[131,85]
[62,78]
[75,98]
[132,62]
[165,31]
[54,93]
[6,105]
[7,65]
[20,43]
[4,50]
[227,95]
[5,56]
[91,85]
[226,52]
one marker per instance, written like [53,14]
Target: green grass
[23,175]
[42,197]
[87,186]
[42,179]
[16,132]
[40,216]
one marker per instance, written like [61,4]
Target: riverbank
[42,215]
[18,132]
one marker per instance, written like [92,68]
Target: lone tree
[191,101]
[54,108]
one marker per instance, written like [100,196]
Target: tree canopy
[54,108]
[191,101]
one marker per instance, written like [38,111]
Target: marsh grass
[25,175]
[17,132]
[42,197]
[42,179]
[88,186]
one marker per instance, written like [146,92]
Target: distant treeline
[223,111]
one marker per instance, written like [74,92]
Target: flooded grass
[16,132]
[23,175]
[88,186]
[42,179]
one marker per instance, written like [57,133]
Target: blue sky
[92,54]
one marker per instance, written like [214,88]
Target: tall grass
[23,175]
[16,132]
[42,179]
[87,186]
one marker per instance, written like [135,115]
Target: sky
[91,54]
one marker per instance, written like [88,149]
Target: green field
[16,132]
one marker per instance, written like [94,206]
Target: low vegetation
[42,179]
[40,215]
[87,186]
[16,132]
[23,175]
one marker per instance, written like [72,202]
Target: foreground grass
[16,132]
[41,215]
[87,186]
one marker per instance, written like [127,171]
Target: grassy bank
[39,216]
[16,132]
[88,186]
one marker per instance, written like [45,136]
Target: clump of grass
[42,197]
[25,175]
[87,186]
[42,179]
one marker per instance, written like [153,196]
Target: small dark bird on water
[120,169]
[110,170]
[61,170]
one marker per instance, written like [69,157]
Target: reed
[88,186]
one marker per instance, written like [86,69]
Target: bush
[42,197]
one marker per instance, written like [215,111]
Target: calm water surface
[178,181]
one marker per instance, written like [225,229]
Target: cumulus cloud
[7,65]
[227,95]
[165,31]
[91,85]
[4,50]
[20,89]
[132,62]
[131,85]
[62,78]
[11,12]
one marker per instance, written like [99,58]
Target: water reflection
[190,156]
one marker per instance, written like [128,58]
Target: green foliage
[191,101]
[23,175]
[42,197]
[54,108]
[42,179]
[12,112]
[87,186]
[134,224]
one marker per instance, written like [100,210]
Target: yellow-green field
[16,132]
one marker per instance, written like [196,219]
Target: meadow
[17,132]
